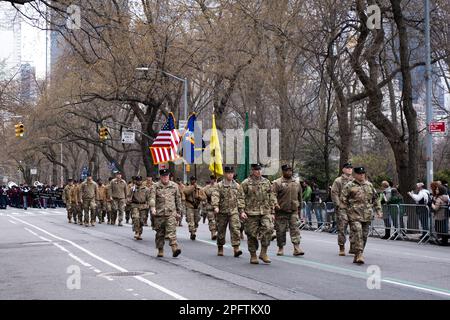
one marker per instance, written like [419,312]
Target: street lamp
[185,82]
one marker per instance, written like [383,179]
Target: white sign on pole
[182,126]
[33,171]
[128,137]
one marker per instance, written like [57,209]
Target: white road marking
[79,260]
[61,247]
[109,263]
[45,239]
[12,222]
[129,289]
[32,232]
[135,294]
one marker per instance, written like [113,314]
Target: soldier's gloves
[216,210]
[153,211]
[273,217]
[178,217]
[379,214]
[243,215]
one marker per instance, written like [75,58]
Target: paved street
[39,252]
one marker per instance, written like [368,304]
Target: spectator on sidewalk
[441,214]
[422,198]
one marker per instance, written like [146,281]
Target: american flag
[165,146]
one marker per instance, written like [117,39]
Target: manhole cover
[126,274]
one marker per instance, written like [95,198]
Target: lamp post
[429,107]
[185,98]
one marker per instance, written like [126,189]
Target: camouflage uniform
[229,199]
[208,207]
[166,200]
[183,203]
[357,201]
[119,191]
[342,219]
[139,199]
[259,204]
[149,186]
[76,204]
[128,205]
[194,195]
[108,202]
[67,201]
[101,203]
[88,194]
[289,197]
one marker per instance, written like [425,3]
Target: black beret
[286,167]
[256,166]
[164,172]
[193,178]
[359,170]
[228,169]
[347,165]
[138,178]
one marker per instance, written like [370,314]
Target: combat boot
[253,258]
[359,259]
[220,251]
[274,236]
[213,235]
[342,250]
[298,251]
[70,221]
[280,251]
[175,251]
[160,253]
[237,251]
[263,255]
[136,235]
[139,237]
[193,236]
[351,251]
[120,224]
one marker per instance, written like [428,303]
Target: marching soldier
[139,199]
[289,197]
[165,206]
[194,195]
[228,202]
[101,201]
[208,191]
[358,200]
[108,201]
[88,195]
[119,191]
[260,202]
[131,184]
[149,184]
[67,201]
[181,187]
[342,219]
[76,196]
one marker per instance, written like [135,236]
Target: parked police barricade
[389,225]
[331,219]
[440,225]
[416,219]
[305,223]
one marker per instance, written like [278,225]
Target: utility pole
[429,107]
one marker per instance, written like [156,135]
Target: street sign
[33,171]
[182,125]
[128,136]
[438,127]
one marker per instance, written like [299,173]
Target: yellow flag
[215,164]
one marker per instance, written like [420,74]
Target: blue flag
[190,151]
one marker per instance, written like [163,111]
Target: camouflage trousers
[193,218]
[212,223]
[101,210]
[118,206]
[258,225]
[138,217]
[89,208]
[70,211]
[127,212]
[360,231]
[234,225]
[77,212]
[108,208]
[342,223]
[165,226]
[285,221]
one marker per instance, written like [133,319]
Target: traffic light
[19,129]
[103,133]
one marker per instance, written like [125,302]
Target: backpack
[429,200]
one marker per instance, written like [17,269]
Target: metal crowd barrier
[440,224]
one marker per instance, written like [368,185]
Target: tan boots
[160,253]
[359,259]
[280,251]
[175,251]
[298,251]
[253,258]
[263,255]
[237,251]
[341,250]
[220,251]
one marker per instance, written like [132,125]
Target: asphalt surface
[42,256]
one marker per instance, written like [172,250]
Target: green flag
[244,169]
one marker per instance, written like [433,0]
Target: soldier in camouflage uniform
[358,200]
[342,220]
[228,202]
[149,184]
[75,196]
[165,206]
[139,199]
[131,184]
[88,195]
[108,202]
[67,201]
[194,196]
[119,192]
[289,197]
[260,203]
[101,201]
[181,187]
[208,207]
